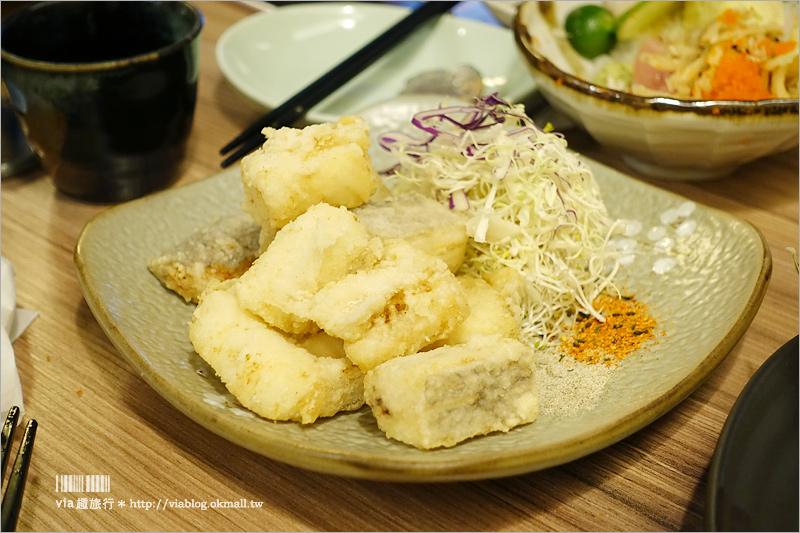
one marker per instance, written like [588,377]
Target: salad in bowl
[684,90]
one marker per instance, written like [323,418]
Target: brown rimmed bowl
[665,138]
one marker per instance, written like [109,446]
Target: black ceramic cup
[105,91]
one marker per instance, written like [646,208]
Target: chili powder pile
[627,326]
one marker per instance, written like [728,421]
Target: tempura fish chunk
[445,396]
[407,300]
[264,369]
[511,286]
[219,251]
[422,222]
[297,168]
[490,313]
[322,245]
[383,298]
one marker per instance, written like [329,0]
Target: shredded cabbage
[529,204]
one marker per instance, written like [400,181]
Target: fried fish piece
[511,286]
[322,345]
[420,220]
[445,396]
[383,298]
[490,313]
[266,370]
[407,300]
[222,250]
[297,168]
[322,245]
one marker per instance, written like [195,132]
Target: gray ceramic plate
[705,303]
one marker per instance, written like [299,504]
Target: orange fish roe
[627,326]
[780,48]
[737,78]
[729,17]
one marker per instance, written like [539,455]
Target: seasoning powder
[567,388]
[626,327]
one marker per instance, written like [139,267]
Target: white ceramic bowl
[271,56]
[664,138]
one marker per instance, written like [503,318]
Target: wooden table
[97,416]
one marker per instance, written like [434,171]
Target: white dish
[273,55]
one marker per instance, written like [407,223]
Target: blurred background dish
[661,136]
[271,56]
[753,477]
[395,114]
[504,11]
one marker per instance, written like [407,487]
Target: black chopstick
[12,499]
[8,435]
[299,104]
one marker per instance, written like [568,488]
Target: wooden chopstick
[12,499]
[300,103]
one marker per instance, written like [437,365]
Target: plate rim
[481,465]
[317,116]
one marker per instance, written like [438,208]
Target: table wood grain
[97,416]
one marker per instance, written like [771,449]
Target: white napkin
[15,321]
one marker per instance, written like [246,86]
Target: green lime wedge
[639,18]
[590,30]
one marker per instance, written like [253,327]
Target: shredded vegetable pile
[528,202]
